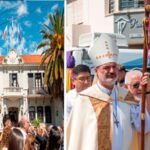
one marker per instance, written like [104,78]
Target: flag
[18,32]
[5,33]
[12,25]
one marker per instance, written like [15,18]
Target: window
[111,6]
[30,82]
[48,114]
[40,113]
[124,4]
[38,80]
[32,113]
[13,80]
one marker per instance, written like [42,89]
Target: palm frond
[47,27]
[53,55]
[43,44]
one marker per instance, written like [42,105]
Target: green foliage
[36,122]
[53,55]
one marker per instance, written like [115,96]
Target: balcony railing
[12,89]
[131,4]
[40,90]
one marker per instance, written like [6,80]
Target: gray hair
[131,74]
[23,120]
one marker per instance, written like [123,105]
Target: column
[2,112]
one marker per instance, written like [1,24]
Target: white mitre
[104,50]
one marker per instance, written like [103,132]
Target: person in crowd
[54,142]
[6,132]
[17,139]
[49,128]
[42,137]
[101,117]
[121,75]
[81,76]
[30,142]
[24,124]
[61,130]
[134,85]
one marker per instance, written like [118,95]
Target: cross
[116,122]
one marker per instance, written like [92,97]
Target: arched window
[32,113]
[40,113]
[48,118]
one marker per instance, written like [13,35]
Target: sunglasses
[136,85]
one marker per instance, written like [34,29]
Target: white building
[22,90]
[121,17]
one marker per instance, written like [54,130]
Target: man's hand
[146,80]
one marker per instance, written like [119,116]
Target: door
[13,113]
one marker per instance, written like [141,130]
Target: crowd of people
[25,136]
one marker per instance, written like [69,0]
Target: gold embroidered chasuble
[92,121]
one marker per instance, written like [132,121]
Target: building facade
[86,19]
[23,92]
[122,17]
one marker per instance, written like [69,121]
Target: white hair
[131,74]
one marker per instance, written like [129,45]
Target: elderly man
[134,84]
[24,123]
[102,118]
[81,80]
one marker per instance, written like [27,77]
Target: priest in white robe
[104,116]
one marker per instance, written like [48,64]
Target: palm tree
[53,55]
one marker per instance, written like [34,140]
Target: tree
[53,54]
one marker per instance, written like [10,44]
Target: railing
[132,4]
[40,90]
[12,89]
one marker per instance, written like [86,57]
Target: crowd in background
[25,136]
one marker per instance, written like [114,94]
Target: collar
[103,89]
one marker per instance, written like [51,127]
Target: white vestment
[69,102]
[82,131]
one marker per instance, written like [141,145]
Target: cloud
[54,7]
[38,10]
[9,4]
[22,10]
[27,23]
[33,47]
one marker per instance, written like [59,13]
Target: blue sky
[26,17]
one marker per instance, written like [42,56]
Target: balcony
[13,91]
[38,91]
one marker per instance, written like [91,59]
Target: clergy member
[102,117]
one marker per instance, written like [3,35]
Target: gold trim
[102,110]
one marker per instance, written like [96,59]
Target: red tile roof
[31,59]
[28,59]
[1,59]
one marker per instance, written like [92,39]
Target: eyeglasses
[136,85]
[83,79]
[121,82]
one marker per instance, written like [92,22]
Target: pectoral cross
[116,122]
